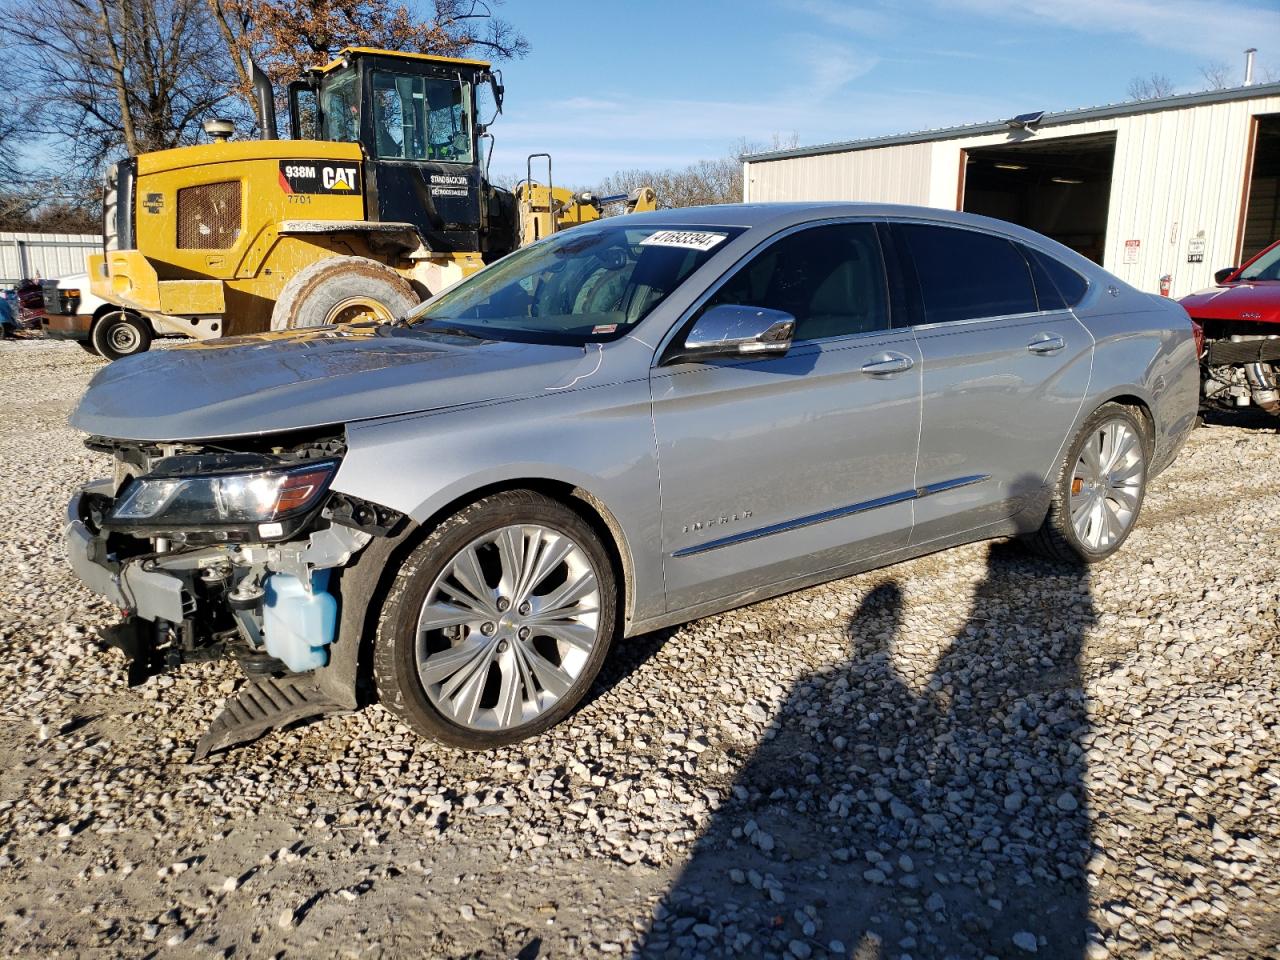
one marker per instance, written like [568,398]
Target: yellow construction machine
[379,199]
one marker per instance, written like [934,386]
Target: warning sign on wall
[1195,250]
[1131,249]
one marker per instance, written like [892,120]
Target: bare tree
[703,182]
[286,36]
[108,76]
[1217,75]
[1151,87]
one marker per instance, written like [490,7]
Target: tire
[88,347]
[342,290]
[512,680]
[120,334]
[1116,492]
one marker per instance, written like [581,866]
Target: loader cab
[415,119]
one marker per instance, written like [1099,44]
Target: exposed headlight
[259,497]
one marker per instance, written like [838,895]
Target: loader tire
[342,290]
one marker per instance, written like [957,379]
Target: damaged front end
[220,550]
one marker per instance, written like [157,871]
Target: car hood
[275,382]
[1237,301]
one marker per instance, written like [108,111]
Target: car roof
[781,215]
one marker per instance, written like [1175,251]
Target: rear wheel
[1101,483]
[497,624]
[120,334]
[342,290]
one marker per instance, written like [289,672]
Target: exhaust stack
[264,99]
[1248,66]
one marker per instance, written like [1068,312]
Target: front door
[1006,366]
[775,468]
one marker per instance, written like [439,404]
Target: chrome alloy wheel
[508,627]
[1106,484]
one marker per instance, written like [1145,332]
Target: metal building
[49,256]
[1176,187]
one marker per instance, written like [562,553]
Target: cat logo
[338,178]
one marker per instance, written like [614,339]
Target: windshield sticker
[688,239]
[605,328]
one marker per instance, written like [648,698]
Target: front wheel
[1101,484]
[120,334]
[498,623]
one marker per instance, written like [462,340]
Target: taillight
[1197,331]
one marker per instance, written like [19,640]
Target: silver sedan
[622,427]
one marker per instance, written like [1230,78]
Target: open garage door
[1061,188]
[1261,225]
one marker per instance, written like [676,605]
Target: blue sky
[612,85]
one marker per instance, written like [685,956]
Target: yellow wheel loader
[379,199]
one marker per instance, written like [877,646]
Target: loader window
[421,118]
[340,107]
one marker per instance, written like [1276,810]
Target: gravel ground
[973,754]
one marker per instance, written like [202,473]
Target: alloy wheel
[507,627]
[1106,484]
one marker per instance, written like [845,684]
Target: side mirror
[1220,276]
[729,330]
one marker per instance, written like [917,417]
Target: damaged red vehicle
[1240,317]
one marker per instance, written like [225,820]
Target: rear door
[780,467]
[1005,369]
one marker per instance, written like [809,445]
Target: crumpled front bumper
[147,594]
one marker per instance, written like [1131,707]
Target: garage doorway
[1261,224]
[1061,188]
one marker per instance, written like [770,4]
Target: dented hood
[278,382]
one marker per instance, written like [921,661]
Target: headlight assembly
[226,499]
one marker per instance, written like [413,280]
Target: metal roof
[1255,91]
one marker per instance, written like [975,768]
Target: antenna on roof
[1024,121]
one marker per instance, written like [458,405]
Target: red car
[1241,321]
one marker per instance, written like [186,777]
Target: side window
[830,278]
[1069,285]
[965,274]
[421,118]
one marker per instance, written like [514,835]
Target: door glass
[1069,285]
[340,106]
[964,274]
[830,278]
[421,118]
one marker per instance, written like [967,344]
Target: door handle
[886,364]
[1046,343]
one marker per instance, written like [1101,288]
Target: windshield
[340,106]
[1266,267]
[591,283]
[421,118]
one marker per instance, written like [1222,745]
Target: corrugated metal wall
[887,175]
[44,255]
[1179,174]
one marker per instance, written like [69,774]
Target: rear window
[965,275]
[1070,287]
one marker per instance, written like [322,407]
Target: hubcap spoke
[567,631]
[455,662]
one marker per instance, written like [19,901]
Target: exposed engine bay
[222,550]
[1239,371]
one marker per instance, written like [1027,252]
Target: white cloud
[860,19]
[1214,29]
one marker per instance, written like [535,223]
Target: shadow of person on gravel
[936,815]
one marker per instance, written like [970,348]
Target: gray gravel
[973,754]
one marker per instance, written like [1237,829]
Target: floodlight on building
[1024,121]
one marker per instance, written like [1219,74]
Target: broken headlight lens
[258,497]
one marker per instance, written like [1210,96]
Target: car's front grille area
[209,216]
